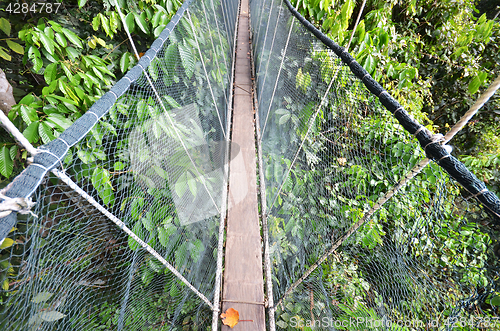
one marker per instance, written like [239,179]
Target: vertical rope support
[356,24]
[279,72]
[206,73]
[263,207]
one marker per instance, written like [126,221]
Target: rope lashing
[19,205]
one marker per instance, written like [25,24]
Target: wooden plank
[243,286]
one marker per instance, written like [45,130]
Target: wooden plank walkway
[243,287]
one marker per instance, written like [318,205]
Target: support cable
[279,73]
[356,24]
[206,73]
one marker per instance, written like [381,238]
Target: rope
[125,229]
[312,120]
[474,109]
[265,228]
[279,74]
[18,205]
[356,24]
[23,205]
[206,73]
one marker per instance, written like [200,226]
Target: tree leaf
[13,153]
[180,185]
[81,3]
[4,55]
[125,61]
[191,183]
[5,26]
[162,235]
[45,132]
[51,316]
[31,132]
[187,59]
[47,43]
[284,119]
[42,297]
[142,109]
[129,21]
[369,64]
[50,73]
[6,165]
[72,37]
[141,23]
[474,85]
[171,101]
[15,47]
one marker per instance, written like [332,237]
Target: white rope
[206,74]
[267,33]
[474,109]
[19,205]
[312,120]
[356,24]
[220,44]
[269,60]
[265,229]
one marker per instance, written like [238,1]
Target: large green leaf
[5,26]
[187,59]
[72,37]
[47,43]
[45,132]
[6,164]
[124,61]
[50,72]
[15,46]
[141,23]
[31,132]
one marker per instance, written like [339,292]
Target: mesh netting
[155,159]
[330,151]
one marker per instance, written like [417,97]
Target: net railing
[125,230]
[362,233]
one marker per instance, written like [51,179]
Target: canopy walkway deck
[243,285]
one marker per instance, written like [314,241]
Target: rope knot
[19,205]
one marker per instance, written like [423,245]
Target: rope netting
[118,224]
[363,231]
[124,234]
